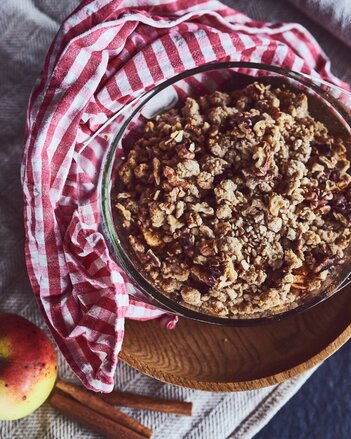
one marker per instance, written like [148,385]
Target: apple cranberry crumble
[237,203]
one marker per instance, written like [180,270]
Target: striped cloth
[105,54]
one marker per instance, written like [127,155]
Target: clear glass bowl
[328,103]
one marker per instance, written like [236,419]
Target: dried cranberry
[323,149]
[203,288]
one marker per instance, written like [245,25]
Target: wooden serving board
[224,359]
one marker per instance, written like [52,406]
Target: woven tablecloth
[27,28]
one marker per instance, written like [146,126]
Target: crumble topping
[237,203]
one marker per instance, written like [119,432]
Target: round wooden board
[223,359]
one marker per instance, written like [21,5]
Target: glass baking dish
[330,103]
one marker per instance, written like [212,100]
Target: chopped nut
[141,170]
[157,215]
[232,294]
[208,247]
[156,165]
[205,180]
[291,234]
[138,247]
[125,213]
[214,166]
[203,208]
[177,136]
[185,151]
[224,211]
[126,173]
[219,308]
[179,209]
[170,285]
[193,219]
[260,127]
[225,191]
[276,202]
[175,271]
[188,168]
[206,231]
[152,238]
[244,265]
[229,244]
[200,260]
[311,238]
[191,111]
[123,196]
[173,178]
[153,258]
[292,260]
[229,270]
[174,224]
[275,224]
[263,157]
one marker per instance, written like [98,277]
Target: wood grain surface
[223,359]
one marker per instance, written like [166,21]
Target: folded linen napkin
[333,15]
[105,54]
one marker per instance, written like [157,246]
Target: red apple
[28,367]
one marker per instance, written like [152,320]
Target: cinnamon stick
[132,400]
[95,421]
[98,405]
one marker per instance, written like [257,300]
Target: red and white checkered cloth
[105,54]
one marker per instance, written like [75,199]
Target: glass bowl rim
[107,222]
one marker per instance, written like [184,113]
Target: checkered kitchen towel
[105,54]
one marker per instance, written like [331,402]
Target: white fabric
[27,28]
[333,15]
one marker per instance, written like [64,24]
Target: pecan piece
[125,212]
[205,180]
[156,170]
[318,198]
[152,238]
[264,159]
[174,223]
[208,247]
[173,178]
[188,168]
